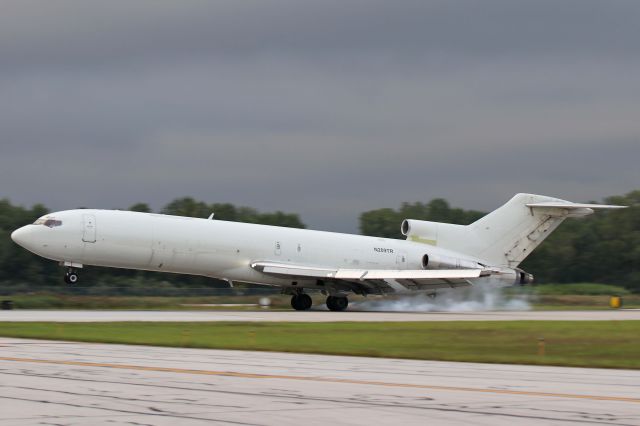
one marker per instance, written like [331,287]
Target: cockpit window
[46,221]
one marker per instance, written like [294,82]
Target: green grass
[584,289]
[579,302]
[610,344]
[542,297]
[544,301]
[60,301]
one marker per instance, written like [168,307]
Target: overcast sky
[324,108]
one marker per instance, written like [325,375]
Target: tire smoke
[476,299]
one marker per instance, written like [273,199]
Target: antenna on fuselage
[211,216]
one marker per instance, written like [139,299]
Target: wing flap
[299,272]
[386,274]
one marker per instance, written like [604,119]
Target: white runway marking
[44,382]
[312,316]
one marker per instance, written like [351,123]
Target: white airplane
[434,255]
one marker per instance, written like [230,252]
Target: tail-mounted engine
[438,261]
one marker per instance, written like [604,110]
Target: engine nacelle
[423,228]
[438,261]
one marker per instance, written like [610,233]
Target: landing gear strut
[301,302]
[71,277]
[337,303]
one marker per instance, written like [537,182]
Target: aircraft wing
[375,280]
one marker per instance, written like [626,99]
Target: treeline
[604,247]
[386,222]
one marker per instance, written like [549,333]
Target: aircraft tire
[337,303]
[301,302]
[294,302]
[331,303]
[72,278]
[306,301]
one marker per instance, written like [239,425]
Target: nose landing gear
[71,277]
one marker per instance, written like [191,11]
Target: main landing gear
[337,303]
[301,302]
[71,277]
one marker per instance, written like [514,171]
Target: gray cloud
[325,108]
[105,31]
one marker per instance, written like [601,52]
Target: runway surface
[313,316]
[63,383]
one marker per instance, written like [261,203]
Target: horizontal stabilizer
[573,206]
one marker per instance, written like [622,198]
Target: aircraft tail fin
[506,236]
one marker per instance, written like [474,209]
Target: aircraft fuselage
[218,249]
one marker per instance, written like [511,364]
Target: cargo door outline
[88,228]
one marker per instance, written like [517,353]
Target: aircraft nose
[20,236]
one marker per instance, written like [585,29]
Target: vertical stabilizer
[509,234]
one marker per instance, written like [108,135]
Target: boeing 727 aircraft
[434,255]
